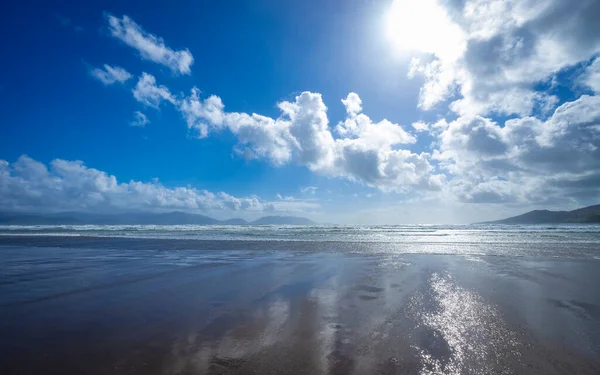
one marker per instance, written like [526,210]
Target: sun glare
[423,26]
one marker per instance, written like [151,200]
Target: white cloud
[473,159]
[199,114]
[358,125]
[147,92]
[367,152]
[149,46]
[510,47]
[110,74]
[591,76]
[139,119]
[526,160]
[420,126]
[440,78]
[353,104]
[28,185]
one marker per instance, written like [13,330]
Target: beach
[92,304]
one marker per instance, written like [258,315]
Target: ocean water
[506,240]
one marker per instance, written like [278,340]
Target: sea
[565,240]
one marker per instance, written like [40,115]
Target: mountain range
[169,218]
[590,214]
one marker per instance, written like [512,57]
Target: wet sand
[106,311]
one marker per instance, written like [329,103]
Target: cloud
[147,92]
[510,49]
[28,185]
[200,114]
[591,76]
[526,160]
[149,46]
[139,119]
[420,126]
[353,104]
[366,152]
[110,74]
[358,125]
[473,158]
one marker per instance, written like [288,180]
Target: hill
[589,214]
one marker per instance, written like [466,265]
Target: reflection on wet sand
[381,318]
[477,340]
[336,327]
[301,314]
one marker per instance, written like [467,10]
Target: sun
[423,26]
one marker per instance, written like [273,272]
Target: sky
[350,112]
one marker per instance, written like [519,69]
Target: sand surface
[129,311]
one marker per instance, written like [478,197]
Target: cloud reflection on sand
[328,328]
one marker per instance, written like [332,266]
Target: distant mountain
[589,214]
[283,220]
[136,218]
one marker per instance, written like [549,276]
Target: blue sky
[489,108]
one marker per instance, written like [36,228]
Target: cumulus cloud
[358,125]
[526,160]
[353,104]
[420,126]
[28,185]
[147,92]
[149,46]
[200,114]
[366,151]
[110,74]
[473,158]
[139,119]
[591,76]
[507,49]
